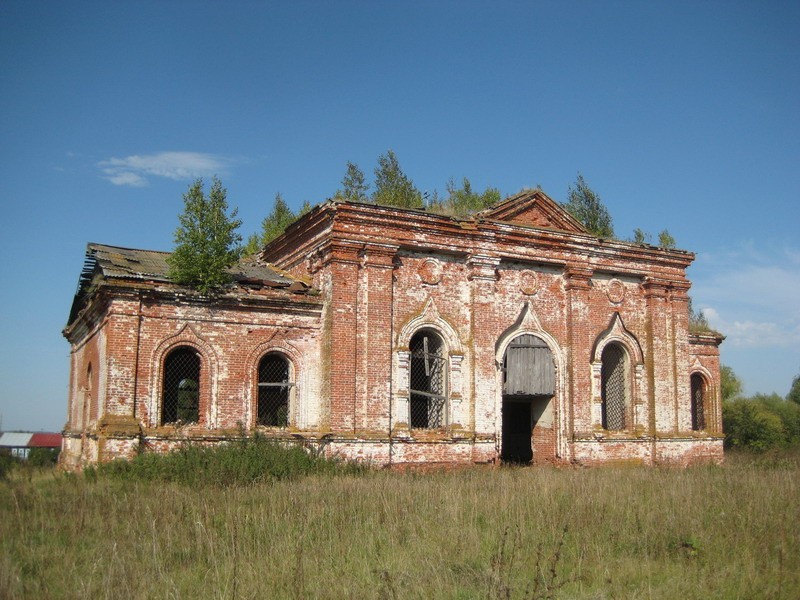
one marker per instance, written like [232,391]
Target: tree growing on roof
[274,224]
[665,240]
[392,186]
[354,187]
[206,241]
[586,207]
[640,236]
[463,201]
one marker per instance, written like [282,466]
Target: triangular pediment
[533,208]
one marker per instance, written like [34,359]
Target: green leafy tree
[253,245]
[276,222]
[587,207]
[730,384]
[789,414]
[794,392]
[304,209]
[354,187]
[748,423]
[665,240]
[464,201]
[640,236]
[392,186]
[206,241]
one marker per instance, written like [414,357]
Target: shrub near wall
[247,461]
[761,423]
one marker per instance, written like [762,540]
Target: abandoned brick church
[399,336]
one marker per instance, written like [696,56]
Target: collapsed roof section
[114,265]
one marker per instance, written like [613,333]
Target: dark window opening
[428,381]
[698,402]
[614,391]
[181,393]
[273,391]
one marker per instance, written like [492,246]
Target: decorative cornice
[482,267]
[578,278]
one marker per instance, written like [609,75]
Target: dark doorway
[528,387]
[517,426]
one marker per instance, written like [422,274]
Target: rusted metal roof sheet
[44,439]
[127,263]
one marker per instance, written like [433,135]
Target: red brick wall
[384,274]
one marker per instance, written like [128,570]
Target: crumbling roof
[110,263]
[151,265]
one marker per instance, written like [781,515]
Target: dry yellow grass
[703,532]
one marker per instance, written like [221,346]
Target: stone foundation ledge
[652,451]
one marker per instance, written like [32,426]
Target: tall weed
[243,462]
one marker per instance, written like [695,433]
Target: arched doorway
[528,389]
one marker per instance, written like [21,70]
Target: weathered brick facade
[400,351]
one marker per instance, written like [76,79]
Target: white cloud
[126,178]
[135,170]
[754,334]
[752,295]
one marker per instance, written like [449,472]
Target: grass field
[627,532]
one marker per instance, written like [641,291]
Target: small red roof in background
[45,440]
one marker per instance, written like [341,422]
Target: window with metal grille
[698,402]
[273,391]
[427,381]
[181,392]
[614,388]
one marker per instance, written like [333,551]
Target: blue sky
[681,115]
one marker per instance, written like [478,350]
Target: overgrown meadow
[214,526]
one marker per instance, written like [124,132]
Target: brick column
[483,413]
[679,319]
[658,358]
[579,401]
[374,338]
[116,422]
[340,345]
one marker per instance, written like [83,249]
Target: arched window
[181,392]
[698,402]
[614,386]
[274,386]
[428,381]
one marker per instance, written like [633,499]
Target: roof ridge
[97,244]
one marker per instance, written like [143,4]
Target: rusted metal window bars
[273,391]
[181,391]
[428,381]
[614,392]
